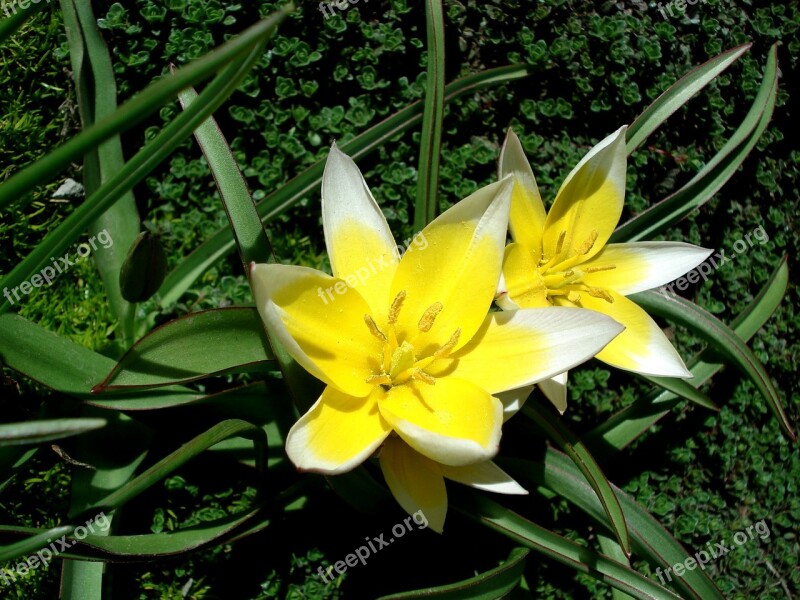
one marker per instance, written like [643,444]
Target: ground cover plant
[148,407]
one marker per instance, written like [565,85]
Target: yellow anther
[423,376]
[429,316]
[379,380]
[589,243]
[574,296]
[599,268]
[448,347]
[373,328]
[397,304]
[568,274]
[599,293]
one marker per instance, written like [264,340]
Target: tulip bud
[144,269]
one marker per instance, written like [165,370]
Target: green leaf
[96,92]
[716,173]
[68,367]
[632,421]
[426,205]
[497,517]
[248,231]
[682,388]
[138,108]
[36,432]
[491,585]
[679,94]
[178,351]
[576,450]
[722,339]
[168,464]
[147,546]
[220,243]
[133,172]
[649,539]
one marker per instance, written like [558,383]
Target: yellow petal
[524,285]
[453,422]
[642,266]
[484,476]
[519,347]
[589,202]
[416,483]
[642,347]
[458,266]
[360,245]
[320,328]
[338,433]
[527,216]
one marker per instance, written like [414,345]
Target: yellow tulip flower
[562,258]
[408,345]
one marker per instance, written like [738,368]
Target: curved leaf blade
[716,173]
[577,451]
[679,94]
[492,585]
[37,432]
[632,421]
[722,338]
[497,517]
[649,539]
[196,346]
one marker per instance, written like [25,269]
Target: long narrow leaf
[648,537]
[492,585]
[430,146]
[135,170]
[722,339]
[36,432]
[626,425]
[577,451]
[679,94]
[137,108]
[178,351]
[510,524]
[716,173]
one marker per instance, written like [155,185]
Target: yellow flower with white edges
[562,258]
[408,345]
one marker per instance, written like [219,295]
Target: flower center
[561,276]
[399,362]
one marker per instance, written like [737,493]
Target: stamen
[397,304]
[574,297]
[448,347]
[599,268]
[380,379]
[600,293]
[560,243]
[373,328]
[429,316]
[589,243]
[423,376]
